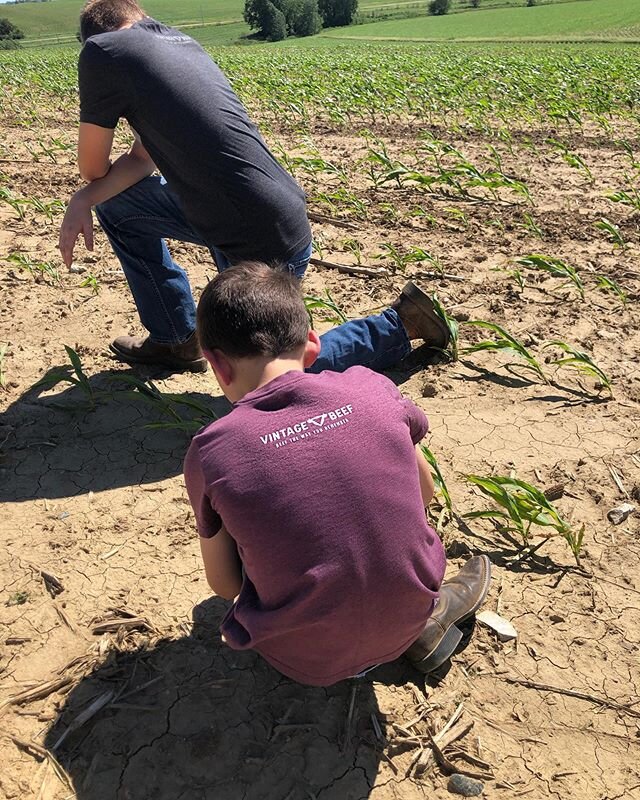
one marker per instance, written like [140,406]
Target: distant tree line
[276,19]
[9,35]
[439,7]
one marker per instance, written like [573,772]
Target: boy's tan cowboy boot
[184,357]
[460,597]
[419,317]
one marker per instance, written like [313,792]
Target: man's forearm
[125,172]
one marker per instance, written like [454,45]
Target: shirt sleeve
[414,417]
[103,88]
[208,521]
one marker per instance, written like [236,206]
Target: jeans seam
[159,295]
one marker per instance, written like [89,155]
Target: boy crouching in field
[310,498]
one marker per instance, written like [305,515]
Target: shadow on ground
[69,443]
[217,723]
[105,434]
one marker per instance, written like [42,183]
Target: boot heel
[443,651]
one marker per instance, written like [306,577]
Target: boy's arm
[222,564]
[105,181]
[426,479]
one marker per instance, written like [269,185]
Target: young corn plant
[402,258]
[72,373]
[354,247]
[532,226]
[505,343]
[25,263]
[574,160]
[18,204]
[452,327]
[582,362]
[91,282]
[555,267]
[522,507]
[439,483]
[182,412]
[627,197]
[607,284]
[612,231]
[327,304]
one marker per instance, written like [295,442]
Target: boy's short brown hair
[102,16]
[252,309]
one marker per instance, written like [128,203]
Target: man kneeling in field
[310,498]
[220,187]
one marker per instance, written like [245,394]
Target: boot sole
[424,303]
[452,636]
[197,366]
[442,652]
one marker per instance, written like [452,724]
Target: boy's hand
[77,220]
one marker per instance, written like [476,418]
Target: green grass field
[220,23]
[588,20]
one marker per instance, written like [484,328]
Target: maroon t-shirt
[315,478]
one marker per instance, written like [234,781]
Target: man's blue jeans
[137,222]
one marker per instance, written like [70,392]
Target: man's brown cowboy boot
[419,317]
[460,597]
[184,357]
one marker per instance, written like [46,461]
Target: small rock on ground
[467,787]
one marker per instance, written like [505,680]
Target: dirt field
[126,630]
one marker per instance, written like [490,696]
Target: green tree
[275,29]
[264,17]
[302,17]
[439,7]
[9,31]
[336,13]
[277,19]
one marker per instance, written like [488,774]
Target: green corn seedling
[532,226]
[612,231]
[627,197]
[184,413]
[574,160]
[438,479]
[522,506]
[452,327]
[73,374]
[505,342]
[92,283]
[25,263]
[580,361]
[555,267]
[326,304]
[607,284]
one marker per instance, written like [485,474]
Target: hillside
[220,22]
[583,20]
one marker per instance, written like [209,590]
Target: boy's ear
[311,349]
[221,365]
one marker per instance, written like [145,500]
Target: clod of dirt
[467,787]
[618,515]
[429,389]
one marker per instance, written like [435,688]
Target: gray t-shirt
[233,191]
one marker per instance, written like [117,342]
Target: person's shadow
[102,435]
[191,719]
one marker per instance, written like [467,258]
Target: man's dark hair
[253,310]
[101,16]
